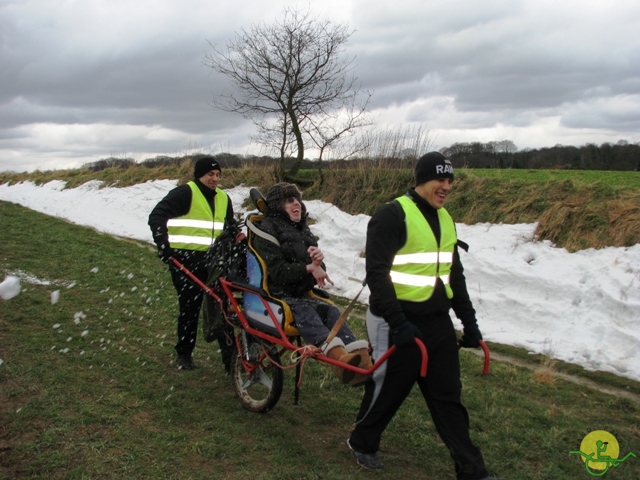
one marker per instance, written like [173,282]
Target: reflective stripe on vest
[419,263]
[198,228]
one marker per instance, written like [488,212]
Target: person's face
[211,179]
[293,207]
[435,191]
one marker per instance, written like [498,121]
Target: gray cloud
[81,81]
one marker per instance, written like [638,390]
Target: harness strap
[261,233]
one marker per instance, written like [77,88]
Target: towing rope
[303,353]
[298,356]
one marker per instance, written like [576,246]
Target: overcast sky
[82,80]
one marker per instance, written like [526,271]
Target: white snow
[583,307]
[10,287]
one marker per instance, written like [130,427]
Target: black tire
[260,390]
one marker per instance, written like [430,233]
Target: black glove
[165,253]
[471,335]
[403,332]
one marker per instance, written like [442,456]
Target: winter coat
[287,263]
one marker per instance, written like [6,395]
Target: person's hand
[471,335]
[321,277]
[316,255]
[165,252]
[403,332]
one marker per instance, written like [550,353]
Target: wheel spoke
[263,378]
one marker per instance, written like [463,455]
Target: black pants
[392,382]
[190,298]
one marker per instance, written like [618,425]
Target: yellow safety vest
[198,228]
[419,263]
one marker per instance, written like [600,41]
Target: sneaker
[366,460]
[185,362]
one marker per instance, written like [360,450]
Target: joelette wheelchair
[264,328]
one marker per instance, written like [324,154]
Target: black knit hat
[431,166]
[279,192]
[204,165]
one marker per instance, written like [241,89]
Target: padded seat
[254,309]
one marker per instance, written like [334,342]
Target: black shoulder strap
[399,208]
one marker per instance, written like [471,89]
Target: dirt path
[619,392]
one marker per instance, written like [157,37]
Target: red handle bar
[487,356]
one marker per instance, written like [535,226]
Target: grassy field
[89,387]
[614,179]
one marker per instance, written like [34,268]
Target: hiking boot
[185,362]
[361,347]
[366,460]
[335,350]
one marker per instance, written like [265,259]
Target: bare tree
[326,132]
[288,76]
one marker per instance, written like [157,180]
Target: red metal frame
[230,287]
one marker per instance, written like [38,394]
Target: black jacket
[287,263]
[176,204]
[386,234]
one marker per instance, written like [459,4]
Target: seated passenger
[294,268]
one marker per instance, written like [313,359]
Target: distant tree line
[504,154]
[231,160]
[227,160]
[111,162]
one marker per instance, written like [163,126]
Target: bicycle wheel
[259,385]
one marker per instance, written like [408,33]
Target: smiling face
[293,207]
[435,191]
[211,179]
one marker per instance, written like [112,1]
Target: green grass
[615,179]
[89,388]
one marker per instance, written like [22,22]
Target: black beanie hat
[277,194]
[204,165]
[431,166]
